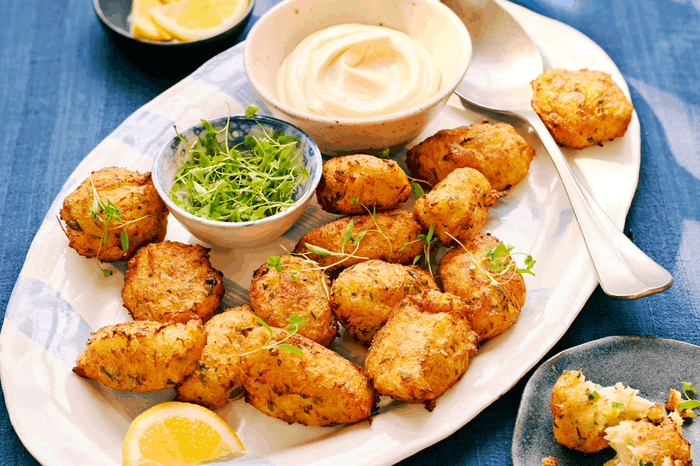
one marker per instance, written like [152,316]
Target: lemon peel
[188,20]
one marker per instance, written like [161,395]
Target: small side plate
[650,365]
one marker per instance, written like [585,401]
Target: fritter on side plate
[172,281]
[142,214]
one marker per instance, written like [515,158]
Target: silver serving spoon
[504,61]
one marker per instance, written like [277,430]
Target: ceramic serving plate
[650,365]
[60,297]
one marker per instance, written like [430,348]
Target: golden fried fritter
[218,378]
[142,356]
[367,180]
[364,295]
[583,410]
[316,388]
[172,281]
[494,307]
[642,443]
[297,290]
[137,200]
[674,399]
[390,236]
[496,150]
[581,108]
[549,461]
[423,349]
[457,206]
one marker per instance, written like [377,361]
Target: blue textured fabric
[64,87]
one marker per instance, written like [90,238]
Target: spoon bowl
[503,64]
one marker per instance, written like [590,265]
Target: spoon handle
[624,271]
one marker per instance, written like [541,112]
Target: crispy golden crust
[218,378]
[142,356]
[549,461]
[296,290]
[397,243]
[581,108]
[374,182]
[423,349]
[642,442]
[364,295]
[458,205]
[495,307]
[134,195]
[674,398]
[171,281]
[316,388]
[496,150]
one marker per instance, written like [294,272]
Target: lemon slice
[197,19]
[142,25]
[179,434]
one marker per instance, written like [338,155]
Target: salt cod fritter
[316,388]
[391,236]
[353,183]
[643,442]
[583,410]
[218,377]
[581,108]
[494,307]
[298,289]
[364,295]
[495,150]
[172,281]
[457,206]
[142,356]
[423,349]
[143,214]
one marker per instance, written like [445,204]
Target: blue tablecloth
[64,87]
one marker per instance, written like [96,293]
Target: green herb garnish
[688,391]
[107,212]
[499,262]
[250,181]
[294,323]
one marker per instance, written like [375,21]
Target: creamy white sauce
[357,70]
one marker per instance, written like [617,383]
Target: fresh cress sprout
[688,391]
[294,323]
[250,181]
[105,213]
[499,262]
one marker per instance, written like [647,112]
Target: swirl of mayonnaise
[357,70]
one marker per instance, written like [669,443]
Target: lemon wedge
[142,24]
[190,20]
[179,434]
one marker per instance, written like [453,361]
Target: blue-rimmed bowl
[237,234]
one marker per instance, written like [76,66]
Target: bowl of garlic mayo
[357,75]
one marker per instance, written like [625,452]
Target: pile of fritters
[356,271]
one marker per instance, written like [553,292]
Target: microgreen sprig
[688,391]
[294,323]
[252,180]
[105,213]
[498,261]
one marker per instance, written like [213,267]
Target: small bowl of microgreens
[238,180]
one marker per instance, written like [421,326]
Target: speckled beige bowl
[278,31]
